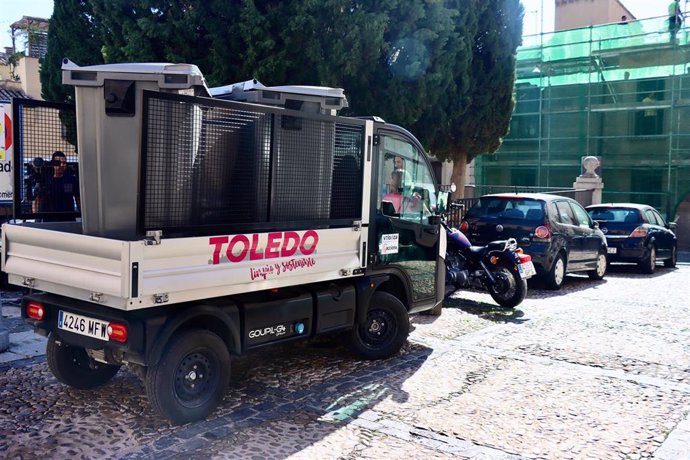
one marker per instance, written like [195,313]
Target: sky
[538,13]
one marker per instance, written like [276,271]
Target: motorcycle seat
[497,245]
[477,250]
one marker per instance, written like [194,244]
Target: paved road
[597,370]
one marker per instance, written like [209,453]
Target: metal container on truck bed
[109,119]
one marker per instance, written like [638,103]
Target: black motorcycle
[499,267]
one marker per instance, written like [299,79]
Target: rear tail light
[35,310]
[639,232]
[543,232]
[117,332]
[464,226]
[524,258]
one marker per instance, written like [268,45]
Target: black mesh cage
[46,183]
[218,166]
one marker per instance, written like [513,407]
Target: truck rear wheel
[384,331]
[72,366]
[191,377]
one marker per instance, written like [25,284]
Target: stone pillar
[593,187]
[589,185]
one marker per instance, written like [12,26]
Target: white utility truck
[214,222]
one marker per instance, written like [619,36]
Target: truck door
[404,197]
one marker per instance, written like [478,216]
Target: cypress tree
[72,34]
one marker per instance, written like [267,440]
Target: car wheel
[555,277]
[599,272]
[73,366]
[671,262]
[384,331]
[191,377]
[648,264]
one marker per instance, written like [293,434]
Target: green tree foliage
[73,37]
[443,68]
[480,128]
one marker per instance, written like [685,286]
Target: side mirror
[434,220]
[387,208]
[595,224]
[672,226]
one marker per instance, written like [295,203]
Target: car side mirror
[595,224]
[387,208]
[672,226]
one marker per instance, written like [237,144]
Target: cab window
[407,187]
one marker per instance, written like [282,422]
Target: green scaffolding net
[620,92]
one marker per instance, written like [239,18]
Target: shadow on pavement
[633,271]
[489,311]
[280,400]
[572,283]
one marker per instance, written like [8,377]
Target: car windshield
[518,209]
[620,215]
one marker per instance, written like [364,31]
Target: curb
[4,336]
[23,345]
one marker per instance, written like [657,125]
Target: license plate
[83,325]
[526,270]
[612,250]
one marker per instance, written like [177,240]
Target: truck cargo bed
[130,275]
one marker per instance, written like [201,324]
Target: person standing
[60,192]
[675,19]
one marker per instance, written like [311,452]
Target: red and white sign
[6,152]
[281,251]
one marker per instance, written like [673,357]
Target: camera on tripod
[37,175]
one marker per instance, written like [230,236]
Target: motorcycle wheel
[510,289]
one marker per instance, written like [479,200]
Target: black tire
[191,377]
[72,366]
[602,265]
[671,262]
[648,264]
[384,331]
[510,289]
[556,275]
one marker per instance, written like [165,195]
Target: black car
[636,233]
[555,230]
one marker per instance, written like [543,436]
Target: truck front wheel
[191,377]
[384,331]
[72,366]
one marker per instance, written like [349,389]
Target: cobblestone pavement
[600,369]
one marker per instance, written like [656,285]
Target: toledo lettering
[239,248]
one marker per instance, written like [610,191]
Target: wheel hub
[376,327]
[192,376]
[379,327]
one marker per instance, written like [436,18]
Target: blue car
[636,233]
